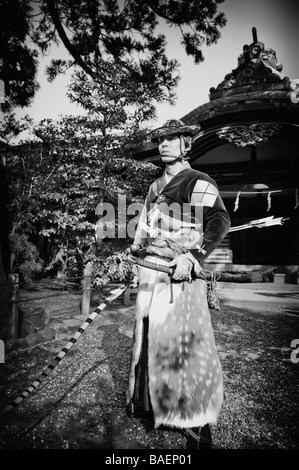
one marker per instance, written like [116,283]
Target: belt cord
[171,292]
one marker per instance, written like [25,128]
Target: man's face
[169,148]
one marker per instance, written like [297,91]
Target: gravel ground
[81,403]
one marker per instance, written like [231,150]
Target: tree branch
[158,12]
[69,46]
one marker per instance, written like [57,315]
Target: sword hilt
[160,267]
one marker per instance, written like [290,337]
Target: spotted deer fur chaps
[185,375]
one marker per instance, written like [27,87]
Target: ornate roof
[258,69]
[254,106]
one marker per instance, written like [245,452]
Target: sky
[277,24]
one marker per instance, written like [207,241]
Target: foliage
[56,184]
[68,261]
[110,269]
[99,34]
[11,127]
[18,62]
[120,72]
[25,260]
[266,275]
[109,265]
[114,99]
[127,30]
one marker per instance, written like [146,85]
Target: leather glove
[131,249]
[185,263]
[183,268]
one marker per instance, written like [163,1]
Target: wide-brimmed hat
[173,126]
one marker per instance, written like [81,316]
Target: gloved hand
[184,263]
[183,268]
[131,249]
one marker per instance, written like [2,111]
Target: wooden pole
[86,289]
[4,297]
[13,306]
[127,295]
[2,352]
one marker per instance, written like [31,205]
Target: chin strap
[183,150]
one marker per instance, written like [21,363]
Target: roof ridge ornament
[258,69]
[294,86]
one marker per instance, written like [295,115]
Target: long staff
[35,384]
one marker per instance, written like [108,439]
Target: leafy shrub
[234,276]
[268,275]
[110,269]
[70,261]
[247,276]
[25,258]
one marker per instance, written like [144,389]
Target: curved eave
[273,99]
[235,110]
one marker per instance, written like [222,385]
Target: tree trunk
[4,252]
[4,297]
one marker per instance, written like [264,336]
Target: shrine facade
[248,143]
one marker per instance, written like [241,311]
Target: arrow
[260,223]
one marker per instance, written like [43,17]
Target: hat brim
[172,130]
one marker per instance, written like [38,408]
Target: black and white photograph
[149,228]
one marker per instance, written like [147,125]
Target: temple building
[248,143]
